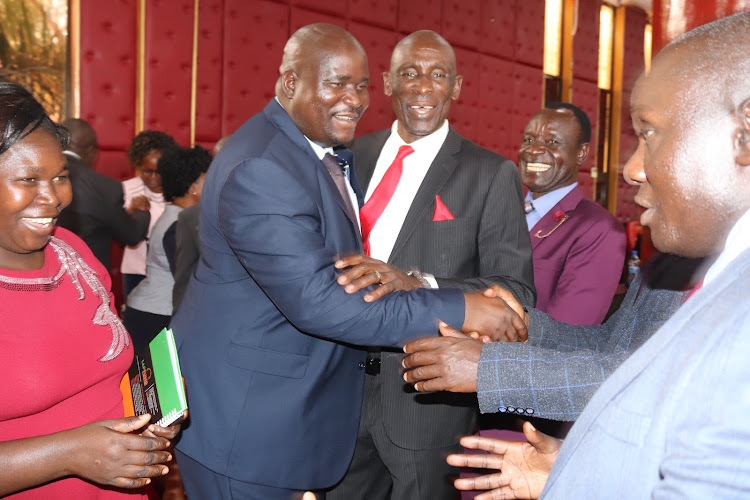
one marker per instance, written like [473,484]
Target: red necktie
[373,209]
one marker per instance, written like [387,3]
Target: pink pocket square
[441,211]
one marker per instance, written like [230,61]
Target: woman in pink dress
[63,350]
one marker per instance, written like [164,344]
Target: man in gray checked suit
[453,217]
[670,422]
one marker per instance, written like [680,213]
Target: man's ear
[583,153]
[387,87]
[742,137]
[288,79]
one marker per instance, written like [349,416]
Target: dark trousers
[143,326]
[204,484]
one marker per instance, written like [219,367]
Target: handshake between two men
[449,363]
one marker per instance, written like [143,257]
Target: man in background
[578,247]
[96,213]
[442,212]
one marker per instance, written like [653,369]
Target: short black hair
[147,141]
[583,119]
[21,114]
[180,168]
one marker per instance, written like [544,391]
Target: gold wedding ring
[379,276]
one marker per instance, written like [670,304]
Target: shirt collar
[544,203]
[738,240]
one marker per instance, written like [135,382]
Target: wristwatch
[420,278]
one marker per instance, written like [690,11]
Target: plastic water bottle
[634,265]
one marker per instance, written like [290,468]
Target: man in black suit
[96,213]
[453,217]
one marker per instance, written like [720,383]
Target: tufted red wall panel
[464,111]
[462,23]
[378,44]
[208,83]
[168,67]
[381,13]
[254,36]
[527,100]
[416,15]
[108,45]
[494,122]
[529,25]
[303,17]
[498,22]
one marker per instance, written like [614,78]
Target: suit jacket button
[530,411]
[501,409]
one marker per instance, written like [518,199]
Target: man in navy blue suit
[274,387]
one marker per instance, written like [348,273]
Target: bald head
[309,45]
[323,83]
[82,140]
[419,39]
[692,116]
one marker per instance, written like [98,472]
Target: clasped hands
[449,362]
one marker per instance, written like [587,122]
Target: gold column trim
[75,57]
[194,75]
[618,57]
[140,85]
[569,21]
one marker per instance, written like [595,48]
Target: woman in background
[182,173]
[63,350]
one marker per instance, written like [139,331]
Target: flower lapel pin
[559,217]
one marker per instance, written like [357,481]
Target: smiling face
[34,188]
[550,154]
[689,184]
[422,82]
[327,92]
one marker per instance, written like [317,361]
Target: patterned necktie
[528,207]
[339,170]
[373,209]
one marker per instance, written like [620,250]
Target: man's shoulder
[597,214]
[368,141]
[471,149]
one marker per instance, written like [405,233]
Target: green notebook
[155,382]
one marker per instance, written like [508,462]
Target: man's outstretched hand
[447,363]
[523,468]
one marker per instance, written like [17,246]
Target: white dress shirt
[544,203]
[738,240]
[385,231]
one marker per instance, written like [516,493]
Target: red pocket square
[441,211]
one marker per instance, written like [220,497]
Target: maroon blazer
[578,260]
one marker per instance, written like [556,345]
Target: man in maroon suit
[577,246]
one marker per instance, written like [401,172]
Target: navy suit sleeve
[280,233]
[128,229]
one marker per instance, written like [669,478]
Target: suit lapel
[548,222]
[439,172]
[276,113]
[366,157]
